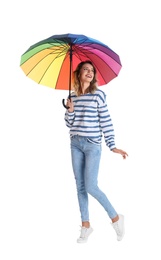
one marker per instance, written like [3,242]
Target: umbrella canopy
[51,62]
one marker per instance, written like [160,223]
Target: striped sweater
[91,118]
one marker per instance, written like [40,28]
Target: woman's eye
[88,69]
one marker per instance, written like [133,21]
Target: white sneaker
[85,232]
[119,227]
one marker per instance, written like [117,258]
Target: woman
[88,118]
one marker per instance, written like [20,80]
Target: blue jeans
[85,162]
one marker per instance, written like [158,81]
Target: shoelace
[117,229]
[83,232]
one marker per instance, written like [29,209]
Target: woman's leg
[92,161]
[78,164]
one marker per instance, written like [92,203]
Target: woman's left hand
[123,153]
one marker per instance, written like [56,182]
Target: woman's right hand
[70,105]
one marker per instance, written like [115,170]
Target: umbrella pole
[70,72]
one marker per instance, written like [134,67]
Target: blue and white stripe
[91,118]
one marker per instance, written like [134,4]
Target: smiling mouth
[89,76]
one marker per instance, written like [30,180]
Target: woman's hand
[70,105]
[123,153]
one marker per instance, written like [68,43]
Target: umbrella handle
[63,101]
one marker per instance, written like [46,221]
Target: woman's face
[86,73]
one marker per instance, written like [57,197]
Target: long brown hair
[76,82]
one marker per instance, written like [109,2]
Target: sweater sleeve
[106,122]
[69,118]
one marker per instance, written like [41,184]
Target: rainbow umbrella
[52,61]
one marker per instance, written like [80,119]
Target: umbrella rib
[59,55]
[94,48]
[48,67]
[52,52]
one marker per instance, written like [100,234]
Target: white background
[39,215]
